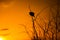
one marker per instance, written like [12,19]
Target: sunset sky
[14,17]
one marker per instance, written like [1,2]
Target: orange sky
[17,12]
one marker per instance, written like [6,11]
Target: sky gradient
[14,16]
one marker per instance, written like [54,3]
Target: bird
[31,13]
